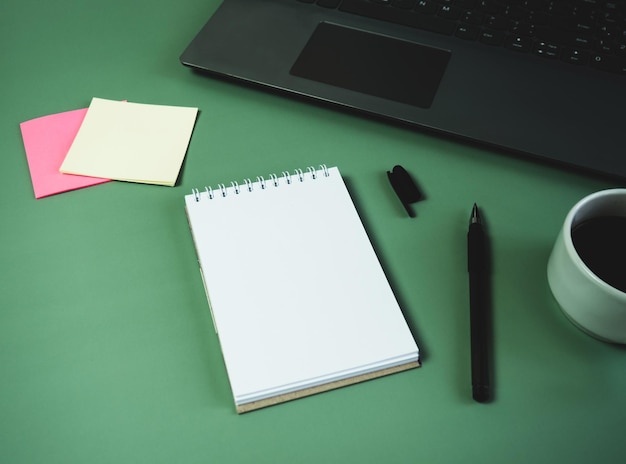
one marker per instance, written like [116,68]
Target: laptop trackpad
[374,64]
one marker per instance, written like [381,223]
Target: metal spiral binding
[222,188]
[274,180]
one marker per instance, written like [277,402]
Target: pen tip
[475,215]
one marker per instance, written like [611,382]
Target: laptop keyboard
[580,32]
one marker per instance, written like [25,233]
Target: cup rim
[569,244]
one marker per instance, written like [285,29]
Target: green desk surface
[107,350]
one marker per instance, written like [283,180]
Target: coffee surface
[601,244]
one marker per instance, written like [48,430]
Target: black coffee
[601,244]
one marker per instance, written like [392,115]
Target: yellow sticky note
[132,142]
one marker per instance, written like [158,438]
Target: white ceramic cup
[590,303]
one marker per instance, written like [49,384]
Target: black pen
[478,267]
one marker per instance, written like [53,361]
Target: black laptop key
[576,56]
[499,23]
[490,37]
[475,18]
[468,32]
[427,7]
[518,43]
[450,12]
[553,51]
[400,16]
[523,29]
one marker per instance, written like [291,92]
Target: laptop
[542,79]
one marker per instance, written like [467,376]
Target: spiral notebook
[299,300]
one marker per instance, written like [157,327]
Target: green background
[107,350]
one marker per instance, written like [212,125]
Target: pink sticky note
[47,140]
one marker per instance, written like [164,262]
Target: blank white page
[297,293]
